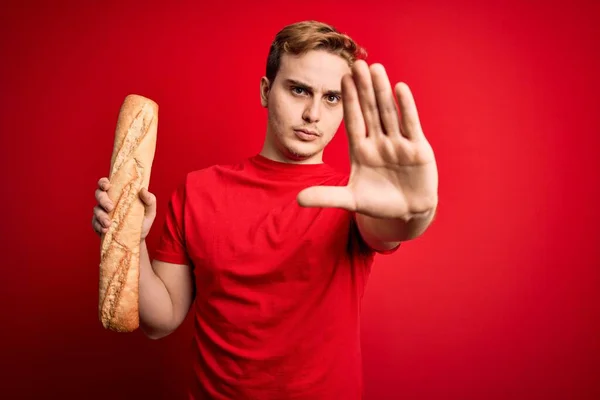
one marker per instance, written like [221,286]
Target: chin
[302,151]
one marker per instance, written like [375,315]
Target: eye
[332,98]
[298,90]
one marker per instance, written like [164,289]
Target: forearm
[156,307]
[394,230]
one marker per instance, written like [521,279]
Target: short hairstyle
[301,37]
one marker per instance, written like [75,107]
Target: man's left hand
[393,168]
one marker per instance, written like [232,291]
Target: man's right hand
[101,222]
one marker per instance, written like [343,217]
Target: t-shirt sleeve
[171,245]
[389,251]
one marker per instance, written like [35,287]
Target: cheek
[334,121]
[281,113]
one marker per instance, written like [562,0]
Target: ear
[264,91]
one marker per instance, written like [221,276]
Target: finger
[98,228]
[103,200]
[353,118]
[102,217]
[149,200]
[104,183]
[386,104]
[366,96]
[327,196]
[410,123]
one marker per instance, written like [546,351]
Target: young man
[274,252]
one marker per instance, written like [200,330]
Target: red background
[498,300]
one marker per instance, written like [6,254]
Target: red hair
[301,37]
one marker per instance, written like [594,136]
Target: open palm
[393,168]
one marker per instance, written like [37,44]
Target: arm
[385,234]
[166,294]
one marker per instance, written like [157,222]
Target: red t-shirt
[278,286]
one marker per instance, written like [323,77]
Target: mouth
[306,135]
[307,132]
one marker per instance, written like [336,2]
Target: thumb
[149,201]
[327,196]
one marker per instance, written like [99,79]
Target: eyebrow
[306,86]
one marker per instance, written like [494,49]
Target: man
[274,252]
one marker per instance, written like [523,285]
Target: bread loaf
[131,163]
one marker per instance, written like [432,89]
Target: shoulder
[214,172]
[332,176]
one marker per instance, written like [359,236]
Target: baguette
[131,163]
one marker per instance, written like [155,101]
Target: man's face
[305,105]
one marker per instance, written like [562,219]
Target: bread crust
[130,167]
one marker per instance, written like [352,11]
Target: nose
[312,111]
